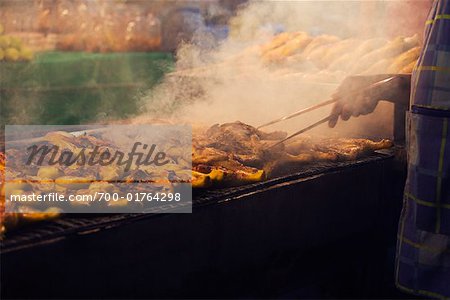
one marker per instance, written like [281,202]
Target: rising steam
[232,82]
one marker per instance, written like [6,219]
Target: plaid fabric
[432,74]
[423,247]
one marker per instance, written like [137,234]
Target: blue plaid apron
[423,247]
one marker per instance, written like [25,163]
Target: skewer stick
[300,112]
[314,107]
[324,120]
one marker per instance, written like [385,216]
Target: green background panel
[77,87]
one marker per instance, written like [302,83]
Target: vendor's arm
[354,98]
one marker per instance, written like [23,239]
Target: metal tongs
[316,106]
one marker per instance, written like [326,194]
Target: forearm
[396,90]
[399,90]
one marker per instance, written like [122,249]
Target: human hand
[359,95]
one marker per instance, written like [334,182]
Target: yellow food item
[20,185]
[245,177]
[109,173]
[50,213]
[318,53]
[5,42]
[200,180]
[319,41]
[276,42]
[8,220]
[337,50]
[12,220]
[26,54]
[347,61]
[217,175]
[15,43]
[118,203]
[370,45]
[390,50]
[379,67]
[296,44]
[73,182]
[44,185]
[48,172]
[404,59]
[220,176]
[101,186]
[409,68]
[12,49]
[173,167]
[12,54]
[1,29]
[289,48]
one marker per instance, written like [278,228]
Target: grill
[230,230]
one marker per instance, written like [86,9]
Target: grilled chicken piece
[241,136]
[239,141]
[307,151]
[67,141]
[233,154]
[207,155]
[350,149]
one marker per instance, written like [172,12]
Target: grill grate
[45,232]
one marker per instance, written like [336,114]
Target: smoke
[231,82]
